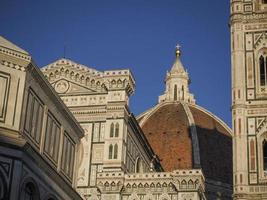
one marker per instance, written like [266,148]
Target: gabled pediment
[64,86]
[69,77]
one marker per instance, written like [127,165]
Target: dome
[187,136]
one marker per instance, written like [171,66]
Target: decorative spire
[177,82]
[177,66]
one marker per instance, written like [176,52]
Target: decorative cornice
[13,53]
[13,65]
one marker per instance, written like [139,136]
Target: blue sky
[136,34]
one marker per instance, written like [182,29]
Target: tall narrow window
[34,117]
[175,92]
[264,145]
[139,166]
[115,151]
[112,130]
[52,137]
[182,92]
[252,155]
[110,151]
[117,128]
[67,161]
[262,71]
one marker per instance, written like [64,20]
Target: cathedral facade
[166,153]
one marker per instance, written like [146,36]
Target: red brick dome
[186,136]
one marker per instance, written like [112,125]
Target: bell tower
[249,97]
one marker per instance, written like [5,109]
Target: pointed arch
[77,77]
[57,74]
[183,93]
[175,93]
[138,165]
[115,151]
[29,190]
[67,73]
[190,184]
[183,185]
[111,134]
[140,185]
[117,129]
[82,78]
[110,151]
[262,64]
[87,81]
[72,75]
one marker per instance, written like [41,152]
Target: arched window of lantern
[117,128]
[182,92]
[115,151]
[110,151]
[175,92]
[112,130]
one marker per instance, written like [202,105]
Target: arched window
[110,151]
[30,192]
[115,151]
[182,92]
[264,146]
[112,130]
[117,128]
[175,92]
[139,166]
[263,71]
